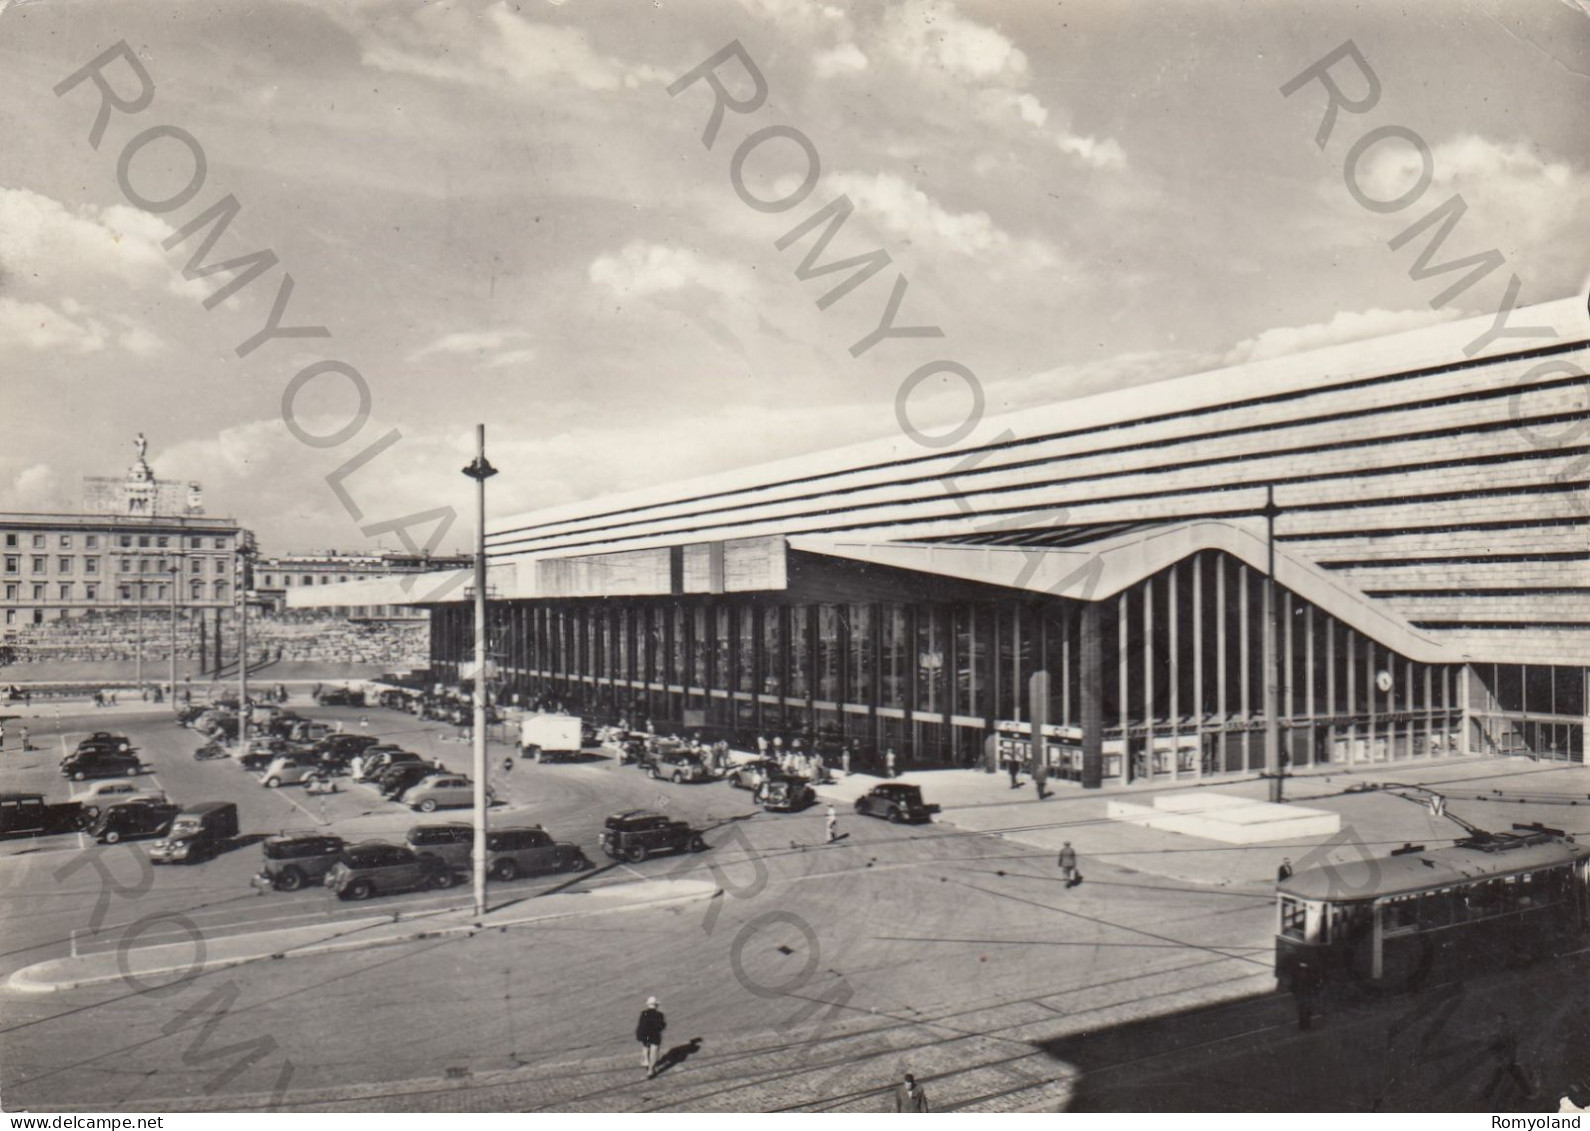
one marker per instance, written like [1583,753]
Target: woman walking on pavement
[649,1032]
[1068,864]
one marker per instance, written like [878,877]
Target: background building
[275,577]
[1429,553]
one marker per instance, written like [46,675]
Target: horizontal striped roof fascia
[1431,347]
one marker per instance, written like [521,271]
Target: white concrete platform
[1225,818]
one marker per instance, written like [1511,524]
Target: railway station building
[1422,497]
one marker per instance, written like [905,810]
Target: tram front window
[1292,918]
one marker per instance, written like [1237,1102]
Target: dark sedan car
[896,801]
[129,819]
[92,763]
[396,779]
[786,793]
[293,861]
[375,867]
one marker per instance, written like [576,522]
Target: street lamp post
[480,470]
[175,569]
[245,551]
[138,643]
[1272,697]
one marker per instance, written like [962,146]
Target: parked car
[372,763]
[393,780]
[126,820]
[340,697]
[100,764]
[28,814]
[261,755]
[751,775]
[294,861]
[510,852]
[342,747]
[639,833]
[786,793]
[679,766]
[290,771]
[897,801]
[199,832]
[104,793]
[376,867]
[392,699]
[104,743]
[440,792]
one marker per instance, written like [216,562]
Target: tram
[1492,899]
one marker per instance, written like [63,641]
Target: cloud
[141,342]
[844,59]
[931,35]
[487,48]
[38,236]
[39,327]
[906,210]
[1345,326]
[1106,154]
[643,268]
[36,488]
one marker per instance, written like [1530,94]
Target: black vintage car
[785,793]
[99,763]
[639,833]
[394,780]
[128,819]
[896,801]
[295,860]
[101,741]
[28,814]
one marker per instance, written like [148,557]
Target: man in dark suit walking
[909,1096]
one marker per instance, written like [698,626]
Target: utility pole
[480,470]
[1272,674]
[245,551]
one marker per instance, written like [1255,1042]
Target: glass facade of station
[1169,673]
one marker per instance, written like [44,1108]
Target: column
[1091,662]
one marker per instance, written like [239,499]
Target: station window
[162,542]
[195,543]
[126,541]
[91,591]
[196,565]
[11,592]
[11,541]
[91,541]
[13,564]
[38,541]
[63,564]
[143,541]
[126,565]
[196,591]
[220,543]
[11,616]
[38,592]
[41,564]
[90,565]
[66,541]
[66,591]
[126,592]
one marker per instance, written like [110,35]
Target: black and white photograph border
[788,556]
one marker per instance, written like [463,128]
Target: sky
[499,213]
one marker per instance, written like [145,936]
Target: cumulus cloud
[1345,326]
[485,48]
[643,268]
[906,210]
[931,35]
[1106,154]
[38,236]
[39,327]
[843,59]
[36,488]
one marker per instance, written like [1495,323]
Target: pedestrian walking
[2,736]
[27,743]
[832,822]
[507,764]
[1504,1043]
[844,761]
[649,1032]
[909,1096]
[1305,990]
[888,763]
[1284,872]
[1015,772]
[1068,865]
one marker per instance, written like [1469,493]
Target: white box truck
[551,738]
